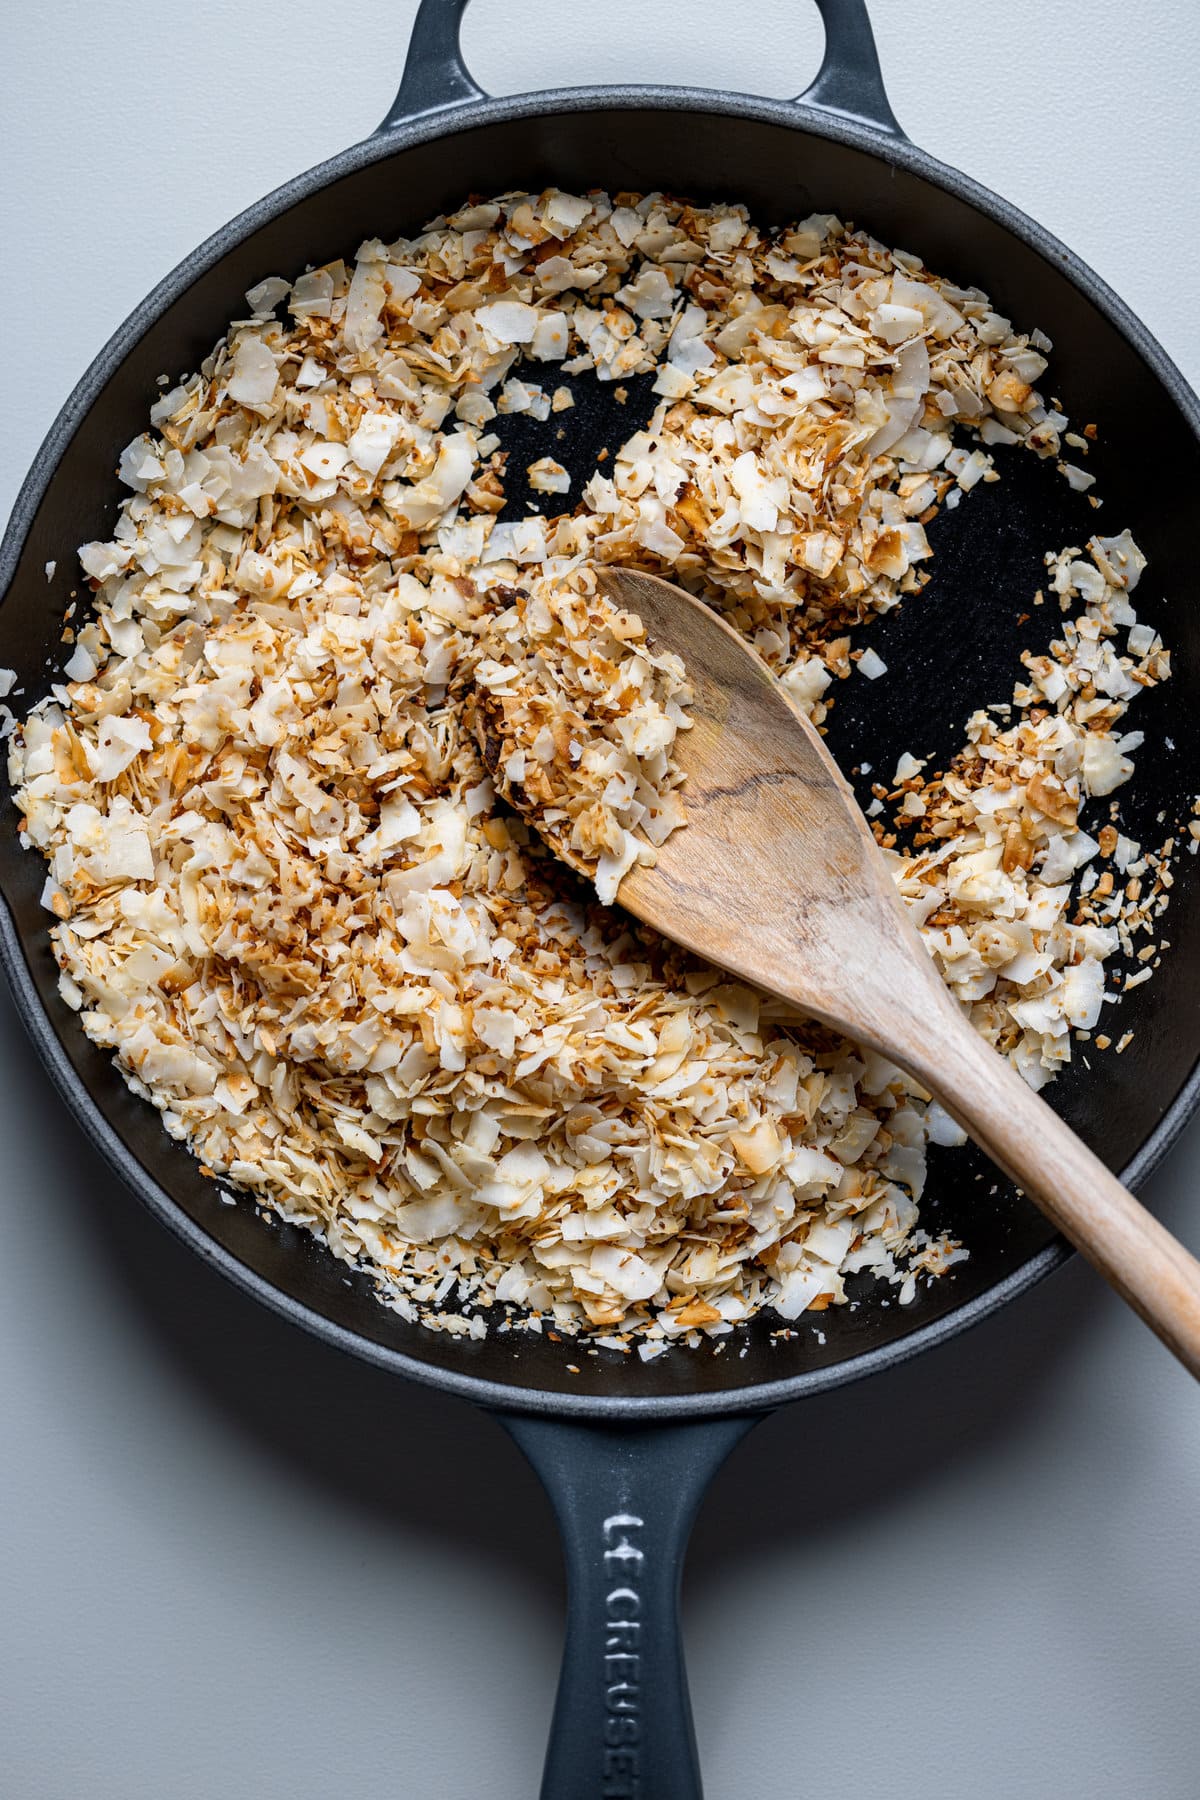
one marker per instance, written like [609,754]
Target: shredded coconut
[284,893]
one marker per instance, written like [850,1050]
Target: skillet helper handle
[1149,1268]
[848,83]
[625,1498]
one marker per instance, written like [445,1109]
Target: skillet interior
[952,649]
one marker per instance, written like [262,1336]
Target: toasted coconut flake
[281,887]
[548,477]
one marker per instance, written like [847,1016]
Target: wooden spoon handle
[1138,1256]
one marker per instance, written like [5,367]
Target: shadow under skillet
[844,1456]
[408,1457]
[416,1459]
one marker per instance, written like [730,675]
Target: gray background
[234,1564]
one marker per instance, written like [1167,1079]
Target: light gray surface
[233,1564]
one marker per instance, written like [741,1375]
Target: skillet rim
[444,122]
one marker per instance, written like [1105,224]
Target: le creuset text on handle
[625,1498]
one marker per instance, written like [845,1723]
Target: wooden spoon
[777,878]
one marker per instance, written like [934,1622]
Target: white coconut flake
[265,296]
[508,321]
[373,440]
[255,374]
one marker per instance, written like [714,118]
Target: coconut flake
[255,374]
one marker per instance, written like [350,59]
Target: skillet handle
[625,1498]
[435,76]
[848,83]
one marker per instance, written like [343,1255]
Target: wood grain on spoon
[777,878]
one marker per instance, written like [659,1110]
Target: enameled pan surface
[952,649]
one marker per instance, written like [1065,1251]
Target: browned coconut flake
[286,896]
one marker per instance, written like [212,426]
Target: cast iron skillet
[625,1447]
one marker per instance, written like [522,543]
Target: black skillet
[626,1448]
